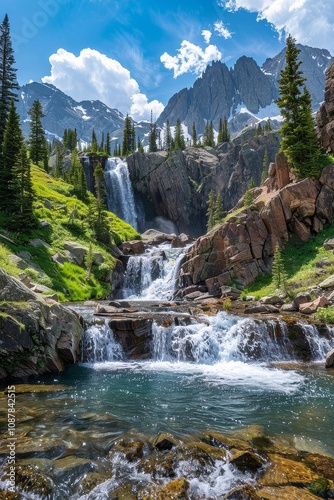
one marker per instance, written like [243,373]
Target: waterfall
[153,275]
[98,344]
[120,198]
[218,339]
[224,338]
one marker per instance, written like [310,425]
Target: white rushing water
[153,275]
[120,198]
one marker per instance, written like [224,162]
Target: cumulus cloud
[141,108]
[93,75]
[207,35]
[310,22]
[190,58]
[221,29]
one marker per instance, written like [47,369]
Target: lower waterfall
[153,275]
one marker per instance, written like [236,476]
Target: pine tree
[107,149]
[21,215]
[168,137]
[219,210]
[152,141]
[94,146]
[268,127]
[8,82]
[259,130]
[11,147]
[211,204]
[179,142]
[77,177]
[299,142]
[140,146]
[279,274]
[37,140]
[208,136]
[128,144]
[265,163]
[194,135]
[97,217]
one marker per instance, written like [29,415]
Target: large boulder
[35,337]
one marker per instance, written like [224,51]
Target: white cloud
[222,30]
[93,75]
[190,58]
[207,35]
[141,108]
[310,22]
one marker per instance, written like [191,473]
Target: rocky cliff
[176,186]
[325,115]
[244,245]
[35,336]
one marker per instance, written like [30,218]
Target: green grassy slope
[65,220]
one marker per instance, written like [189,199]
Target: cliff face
[243,246]
[325,115]
[177,186]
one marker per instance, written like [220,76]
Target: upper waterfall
[120,198]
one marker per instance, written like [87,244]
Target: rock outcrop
[244,245]
[325,115]
[177,186]
[35,336]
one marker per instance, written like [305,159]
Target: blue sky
[134,55]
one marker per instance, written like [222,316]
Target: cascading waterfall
[153,275]
[98,344]
[120,198]
[225,338]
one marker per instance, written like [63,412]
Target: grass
[300,260]
[66,218]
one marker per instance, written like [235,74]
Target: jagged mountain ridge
[244,94]
[63,112]
[243,91]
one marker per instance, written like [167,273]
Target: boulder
[135,247]
[327,283]
[273,299]
[261,308]
[312,307]
[77,251]
[329,244]
[231,292]
[330,359]
[134,335]
[301,298]
[36,337]
[154,237]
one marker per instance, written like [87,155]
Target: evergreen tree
[194,135]
[268,127]
[179,142]
[8,82]
[265,164]
[211,204]
[70,139]
[168,137]
[140,146]
[152,141]
[259,130]
[208,136]
[128,144]
[248,196]
[77,177]
[11,147]
[107,149]
[94,146]
[59,168]
[226,132]
[37,141]
[21,215]
[98,217]
[218,210]
[299,142]
[279,274]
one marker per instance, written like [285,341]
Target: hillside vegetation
[62,217]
